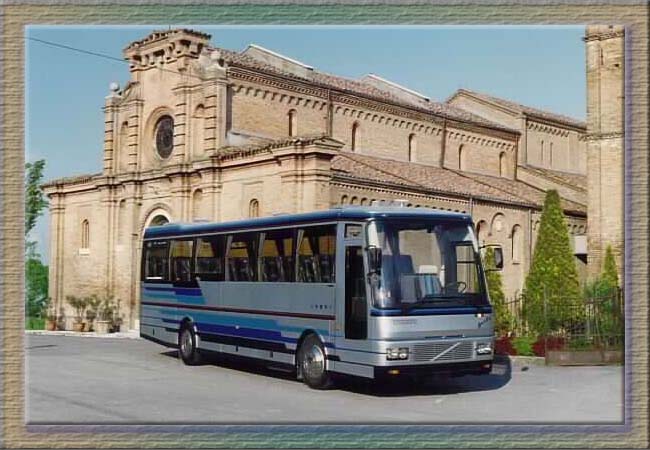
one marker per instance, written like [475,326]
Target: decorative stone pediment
[164,47]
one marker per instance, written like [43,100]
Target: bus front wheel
[312,363]
[187,348]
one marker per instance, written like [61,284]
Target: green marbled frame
[633,433]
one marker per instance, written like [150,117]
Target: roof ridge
[527,109]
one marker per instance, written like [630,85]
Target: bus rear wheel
[312,363]
[187,348]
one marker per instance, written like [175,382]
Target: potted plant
[93,304]
[117,318]
[79,305]
[105,315]
[50,319]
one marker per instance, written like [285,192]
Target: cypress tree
[553,273]
[502,317]
[610,271]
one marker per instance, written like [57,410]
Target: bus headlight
[397,353]
[483,348]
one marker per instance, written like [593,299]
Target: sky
[543,67]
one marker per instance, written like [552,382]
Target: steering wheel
[460,286]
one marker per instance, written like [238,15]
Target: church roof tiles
[519,108]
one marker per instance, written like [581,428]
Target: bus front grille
[443,351]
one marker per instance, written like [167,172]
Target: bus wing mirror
[374,259]
[498,258]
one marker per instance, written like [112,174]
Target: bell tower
[605,143]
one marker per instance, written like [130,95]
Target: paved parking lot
[93,380]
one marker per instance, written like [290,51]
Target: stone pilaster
[57,212]
[134,137]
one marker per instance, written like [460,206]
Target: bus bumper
[483,367]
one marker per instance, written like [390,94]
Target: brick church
[204,133]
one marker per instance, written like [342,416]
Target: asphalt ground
[80,380]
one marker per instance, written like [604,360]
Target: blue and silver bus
[367,291]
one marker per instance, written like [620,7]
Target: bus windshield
[426,264]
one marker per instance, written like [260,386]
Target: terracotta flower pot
[78,326]
[50,325]
[102,326]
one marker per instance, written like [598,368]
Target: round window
[165,136]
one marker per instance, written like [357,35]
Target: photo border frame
[633,15]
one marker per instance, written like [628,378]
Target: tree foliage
[503,319]
[36,299]
[36,273]
[35,201]
[552,289]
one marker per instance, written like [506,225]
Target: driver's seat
[430,282]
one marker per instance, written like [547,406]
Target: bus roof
[334,214]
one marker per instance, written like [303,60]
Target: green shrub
[552,290]
[524,345]
[34,323]
[610,271]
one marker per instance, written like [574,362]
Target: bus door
[354,307]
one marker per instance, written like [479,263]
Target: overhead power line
[101,55]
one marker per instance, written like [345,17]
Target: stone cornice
[604,36]
[357,99]
[225,156]
[597,136]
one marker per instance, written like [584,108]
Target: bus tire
[187,349]
[312,363]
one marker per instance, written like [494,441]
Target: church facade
[204,133]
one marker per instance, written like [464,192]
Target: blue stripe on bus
[218,319]
[177,290]
[432,311]
[189,299]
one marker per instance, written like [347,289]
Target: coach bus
[372,291]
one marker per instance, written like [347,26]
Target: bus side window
[156,264]
[210,254]
[276,256]
[316,254]
[242,257]
[181,261]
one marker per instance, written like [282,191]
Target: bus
[371,291]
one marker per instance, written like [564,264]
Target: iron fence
[571,323]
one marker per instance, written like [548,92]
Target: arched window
[498,221]
[481,231]
[550,155]
[344,200]
[254,208]
[516,241]
[412,147]
[462,158]
[364,201]
[158,221]
[542,153]
[503,170]
[354,201]
[85,234]
[355,136]
[293,125]
[197,200]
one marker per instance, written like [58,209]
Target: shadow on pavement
[402,386]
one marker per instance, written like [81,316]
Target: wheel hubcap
[186,343]
[313,363]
